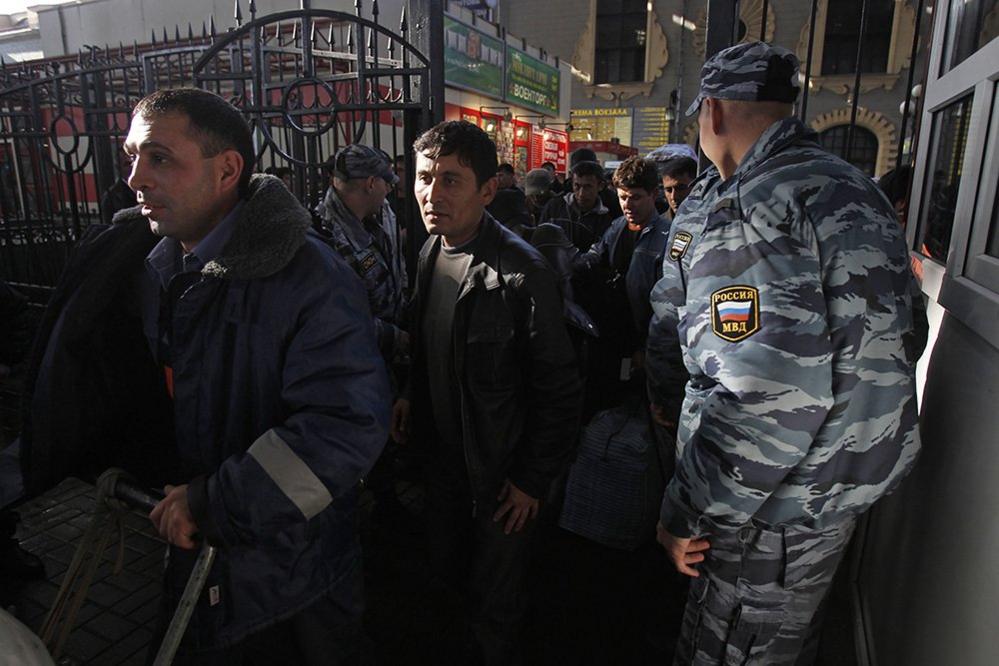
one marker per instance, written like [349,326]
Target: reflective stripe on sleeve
[291,474]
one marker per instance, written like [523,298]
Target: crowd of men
[759,313]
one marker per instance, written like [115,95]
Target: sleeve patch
[678,248]
[368,262]
[735,312]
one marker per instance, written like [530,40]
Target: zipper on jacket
[473,476]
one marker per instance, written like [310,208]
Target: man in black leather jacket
[494,389]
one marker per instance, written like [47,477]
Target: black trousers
[483,572]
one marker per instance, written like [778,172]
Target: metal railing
[308,81]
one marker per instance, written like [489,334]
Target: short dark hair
[637,172]
[582,169]
[215,123]
[505,167]
[581,155]
[677,167]
[280,172]
[473,147]
[548,165]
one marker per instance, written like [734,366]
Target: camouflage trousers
[758,593]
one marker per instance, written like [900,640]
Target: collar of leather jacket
[485,266]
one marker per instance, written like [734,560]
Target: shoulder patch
[735,312]
[368,262]
[678,248]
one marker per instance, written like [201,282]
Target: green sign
[472,59]
[531,83]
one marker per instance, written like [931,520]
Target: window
[981,259]
[971,24]
[955,195]
[992,248]
[839,55]
[864,154]
[620,41]
[943,178]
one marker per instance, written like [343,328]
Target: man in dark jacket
[494,388]
[580,213]
[628,258]
[509,205]
[259,344]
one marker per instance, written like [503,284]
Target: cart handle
[123,486]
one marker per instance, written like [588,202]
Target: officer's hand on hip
[172,518]
[399,428]
[520,506]
[683,552]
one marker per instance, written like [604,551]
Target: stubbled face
[586,190]
[450,200]
[639,205]
[181,191]
[676,190]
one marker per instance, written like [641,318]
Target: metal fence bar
[56,172]
[763,22]
[722,22]
[907,108]
[808,59]
[856,80]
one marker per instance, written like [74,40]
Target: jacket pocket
[753,630]
[488,359]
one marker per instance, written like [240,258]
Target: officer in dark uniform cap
[363,230]
[786,285]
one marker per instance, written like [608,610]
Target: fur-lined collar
[270,229]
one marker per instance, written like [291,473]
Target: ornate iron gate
[308,81]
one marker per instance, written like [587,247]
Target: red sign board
[537,148]
[555,149]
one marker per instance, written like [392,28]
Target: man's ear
[716,115]
[488,190]
[230,168]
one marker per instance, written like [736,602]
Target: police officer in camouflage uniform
[786,284]
[363,230]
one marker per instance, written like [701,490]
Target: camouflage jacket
[665,371]
[801,402]
[379,263]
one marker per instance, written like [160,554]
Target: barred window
[620,41]
[943,177]
[839,55]
[864,154]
